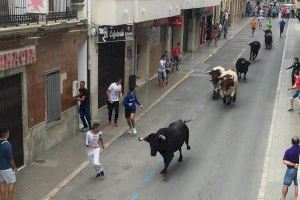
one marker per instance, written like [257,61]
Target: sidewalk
[45,176]
[284,124]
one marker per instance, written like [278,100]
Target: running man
[93,138]
[175,55]
[131,102]
[281,25]
[260,22]
[253,26]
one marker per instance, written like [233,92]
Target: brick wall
[55,50]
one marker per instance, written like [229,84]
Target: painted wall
[116,12]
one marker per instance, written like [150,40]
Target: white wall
[82,62]
[116,12]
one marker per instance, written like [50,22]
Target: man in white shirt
[93,138]
[114,93]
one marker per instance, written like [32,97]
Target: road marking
[261,194]
[149,176]
[134,196]
[65,181]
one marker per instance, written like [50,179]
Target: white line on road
[261,194]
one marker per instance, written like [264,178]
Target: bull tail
[186,121]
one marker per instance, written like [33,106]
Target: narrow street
[228,143]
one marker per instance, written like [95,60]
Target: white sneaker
[130,131]
[134,131]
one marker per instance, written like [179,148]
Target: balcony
[17,12]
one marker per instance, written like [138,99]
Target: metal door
[11,114]
[111,61]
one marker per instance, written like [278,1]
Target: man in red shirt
[175,55]
[297,92]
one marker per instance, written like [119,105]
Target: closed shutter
[53,99]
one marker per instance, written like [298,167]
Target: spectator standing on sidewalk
[131,102]
[297,92]
[225,28]
[291,160]
[294,67]
[114,93]
[168,67]
[161,72]
[214,35]
[220,29]
[84,108]
[7,167]
[93,138]
[175,55]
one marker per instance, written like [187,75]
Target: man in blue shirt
[131,102]
[291,160]
[7,166]
[281,24]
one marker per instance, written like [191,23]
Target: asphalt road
[228,143]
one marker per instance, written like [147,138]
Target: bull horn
[141,139]
[207,72]
[162,137]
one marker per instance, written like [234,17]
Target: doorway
[111,63]
[11,114]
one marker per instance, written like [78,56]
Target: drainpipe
[88,14]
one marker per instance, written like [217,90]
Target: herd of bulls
[170,139]
[225,81]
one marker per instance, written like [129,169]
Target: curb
[85,163]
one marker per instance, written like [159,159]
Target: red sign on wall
[172,21]
[18,57]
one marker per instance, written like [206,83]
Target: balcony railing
[14,12]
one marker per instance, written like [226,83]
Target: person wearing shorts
[130,103]
[162,71]
[7,166]
[297,92]
[253,26]
[291,160]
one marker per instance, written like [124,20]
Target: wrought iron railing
[14,12]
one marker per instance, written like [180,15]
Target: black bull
[254,49]
[168,140]
[242,66]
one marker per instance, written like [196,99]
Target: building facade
[157,25]
[40,53]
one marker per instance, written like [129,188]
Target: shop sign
[176,21]
[17,57]
[172,21]
[208,10]
[37,6]
[115,33]
[161,22]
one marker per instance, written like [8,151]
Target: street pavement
[228,143]
[48,174]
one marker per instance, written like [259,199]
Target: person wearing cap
[291,160]
[84,110]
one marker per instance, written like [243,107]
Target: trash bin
[132,81]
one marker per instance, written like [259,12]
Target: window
[53,99]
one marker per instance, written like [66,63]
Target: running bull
[168,140]
[254,49]
[242,66]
